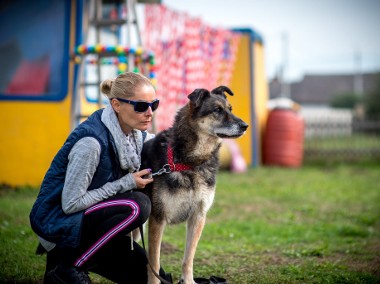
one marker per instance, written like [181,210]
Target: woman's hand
[141,178]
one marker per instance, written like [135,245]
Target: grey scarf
[127,146]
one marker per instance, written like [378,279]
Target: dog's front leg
[194,230]
[155,231]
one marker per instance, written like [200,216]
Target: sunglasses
[141,106]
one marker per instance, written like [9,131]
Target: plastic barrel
[283,139]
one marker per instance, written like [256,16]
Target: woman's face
[128,118]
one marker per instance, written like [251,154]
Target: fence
[337,135]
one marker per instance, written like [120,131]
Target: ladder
[127,18]
[110,29]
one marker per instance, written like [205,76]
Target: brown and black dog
[188,154]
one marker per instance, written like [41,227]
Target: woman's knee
[141,203]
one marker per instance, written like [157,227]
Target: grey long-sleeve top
[84,158]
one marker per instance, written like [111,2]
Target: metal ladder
[121,26]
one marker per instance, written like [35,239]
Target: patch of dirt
[168,248]
[366,262]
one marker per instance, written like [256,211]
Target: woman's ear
[115,105]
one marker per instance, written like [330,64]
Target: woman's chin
[143,126]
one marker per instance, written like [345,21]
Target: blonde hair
[124,86]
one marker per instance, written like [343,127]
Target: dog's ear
[221,89]
[198,96]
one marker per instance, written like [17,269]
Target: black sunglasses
[141,106]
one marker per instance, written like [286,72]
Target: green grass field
[268,225]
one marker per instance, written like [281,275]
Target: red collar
[175,167]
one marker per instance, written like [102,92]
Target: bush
[372,101]
[348,100]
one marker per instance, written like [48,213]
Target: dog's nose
[243,126]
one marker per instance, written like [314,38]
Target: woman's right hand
[141,178]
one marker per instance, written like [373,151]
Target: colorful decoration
[190,54]
[143,61]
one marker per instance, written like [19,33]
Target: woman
[89,201]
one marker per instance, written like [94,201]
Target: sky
[304,36]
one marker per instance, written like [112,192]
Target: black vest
[47,217]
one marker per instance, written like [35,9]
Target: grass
[268,225]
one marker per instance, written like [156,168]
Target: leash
[151,268]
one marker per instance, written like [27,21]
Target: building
[319,90]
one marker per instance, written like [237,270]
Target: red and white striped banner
[189,55]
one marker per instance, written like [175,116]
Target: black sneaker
[67,275]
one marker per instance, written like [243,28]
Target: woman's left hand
[141,178]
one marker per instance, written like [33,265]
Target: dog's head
[212,113]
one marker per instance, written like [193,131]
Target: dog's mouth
[233,132]
[222,135]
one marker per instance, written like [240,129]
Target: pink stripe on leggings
[114,231]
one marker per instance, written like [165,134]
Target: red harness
[176,167]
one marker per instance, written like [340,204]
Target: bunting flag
[189,55]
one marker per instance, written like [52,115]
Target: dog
[187,156]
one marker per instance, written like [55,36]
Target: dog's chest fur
[181,201]
[177,195]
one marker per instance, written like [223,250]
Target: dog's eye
[218,109]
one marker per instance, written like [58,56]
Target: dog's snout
[243,126]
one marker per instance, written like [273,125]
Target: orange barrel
[283,139]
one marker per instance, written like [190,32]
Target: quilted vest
[47,217]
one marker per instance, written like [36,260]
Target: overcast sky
[322,35]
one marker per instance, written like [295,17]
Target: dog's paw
[182,281]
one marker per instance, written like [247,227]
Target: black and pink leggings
[105,245]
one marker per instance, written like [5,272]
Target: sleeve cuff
[128,183]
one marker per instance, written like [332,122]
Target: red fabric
[176,167]
[189,55]
[31,78]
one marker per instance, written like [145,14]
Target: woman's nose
[149,111]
